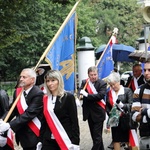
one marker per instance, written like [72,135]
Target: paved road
[85,138]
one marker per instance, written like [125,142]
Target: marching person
[60,128]
[93,91]
[26,117]
[141,109]
[122,97]
[137,79]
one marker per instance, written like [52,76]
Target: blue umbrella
[120,52]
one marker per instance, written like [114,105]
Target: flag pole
[57,34]
[115,32]
[42,57]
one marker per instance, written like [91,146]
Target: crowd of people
[49,119]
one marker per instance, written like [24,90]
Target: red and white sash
[55,126]
[35,124]
[111,98]
[133,138]
[91,90]
[133,84]
[10,139]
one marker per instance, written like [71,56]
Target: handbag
[114,116]
[124,121]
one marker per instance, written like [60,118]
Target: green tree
[124,14]
[27,27]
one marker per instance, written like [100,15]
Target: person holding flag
[25,120]
[93,90]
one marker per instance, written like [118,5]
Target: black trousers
[96,130]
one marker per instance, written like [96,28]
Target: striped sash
[110,98]
[91,90]
[55,126]
[10,139]
[35,124]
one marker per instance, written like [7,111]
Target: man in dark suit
[27,112]
[137,79]
[93,91]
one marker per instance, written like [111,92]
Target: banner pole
[58,33]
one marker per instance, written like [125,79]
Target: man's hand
[84,93]
[4,126]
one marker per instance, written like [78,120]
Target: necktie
[25,95]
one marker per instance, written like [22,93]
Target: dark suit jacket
[125,98]
[90,106]
[24,134]
[4,102]
[66,111]
[141,81]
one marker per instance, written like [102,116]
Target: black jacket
[90,105]
[125,98]
[19,125]
[140,81]
[4,102]
[66,111]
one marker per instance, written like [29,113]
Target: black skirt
[119,135]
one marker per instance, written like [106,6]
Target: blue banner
[61,55]
[106,66]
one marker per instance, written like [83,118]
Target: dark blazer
[24,134]
[66,111]
[125,98]
[140,81]
[90,105]
[4,102]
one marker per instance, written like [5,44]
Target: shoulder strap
[141,91]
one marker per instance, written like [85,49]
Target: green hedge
[8,86]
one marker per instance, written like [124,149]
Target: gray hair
[31,73]
[56,75]
[92,68]
[113,77]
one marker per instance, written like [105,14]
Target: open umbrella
[139,55]
[120,52]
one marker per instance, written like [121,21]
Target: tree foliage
[27,27]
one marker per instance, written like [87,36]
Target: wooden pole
[58,33]
[115,32]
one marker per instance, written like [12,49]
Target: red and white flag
[133,138]
[10,139]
